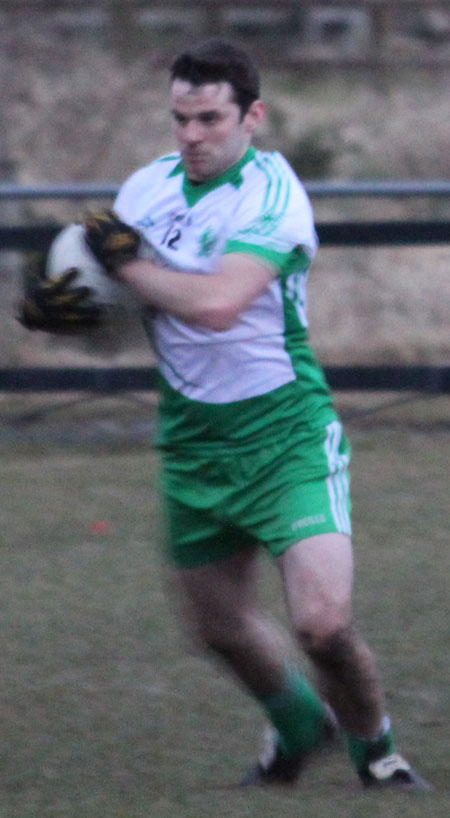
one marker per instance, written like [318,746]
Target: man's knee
[328,648]
[241,636]
[216,641]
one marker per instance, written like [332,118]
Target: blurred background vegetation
[354,91]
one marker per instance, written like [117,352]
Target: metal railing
[390,188]
[331,234]
[113,380]
[430,379]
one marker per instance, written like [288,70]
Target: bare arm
[214,301]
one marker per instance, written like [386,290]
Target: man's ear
[255,115]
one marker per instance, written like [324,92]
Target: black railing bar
[108,380]
[316,188]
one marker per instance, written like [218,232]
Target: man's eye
[208,119]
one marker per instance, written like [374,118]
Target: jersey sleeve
[138,185]
[274,220]
[130,189]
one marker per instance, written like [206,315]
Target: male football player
[253,453]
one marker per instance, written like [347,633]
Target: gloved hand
[112,241]
[55,304]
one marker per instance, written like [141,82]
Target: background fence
[433,379]
[344,32]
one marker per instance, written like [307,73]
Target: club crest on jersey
[146,221]
[208,242]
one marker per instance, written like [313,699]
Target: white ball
[69,249]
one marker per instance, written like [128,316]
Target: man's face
[209,130]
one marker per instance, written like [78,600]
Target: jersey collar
[194,192]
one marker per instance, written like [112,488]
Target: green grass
[107,709]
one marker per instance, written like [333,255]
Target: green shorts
[292,489]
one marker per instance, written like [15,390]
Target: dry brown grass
[75,110]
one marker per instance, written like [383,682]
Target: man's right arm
[213,301]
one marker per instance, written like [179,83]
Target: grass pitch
[108,711]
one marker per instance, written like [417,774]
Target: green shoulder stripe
[297,260]
[169,157]
[278,187]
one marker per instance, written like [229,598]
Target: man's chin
[198,170]
[196,174]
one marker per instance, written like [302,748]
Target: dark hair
[217,60]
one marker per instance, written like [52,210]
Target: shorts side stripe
[338,481]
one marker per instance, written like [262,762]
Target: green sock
[363,751]
[298,714]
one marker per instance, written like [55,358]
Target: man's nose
[192,132]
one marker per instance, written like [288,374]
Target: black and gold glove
[112,241]
[55,305]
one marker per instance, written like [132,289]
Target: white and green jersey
[231,387]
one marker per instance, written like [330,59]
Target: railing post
[380,18]
[122,27]
[212,19]
[9,209]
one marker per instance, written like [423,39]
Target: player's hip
[294,488]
